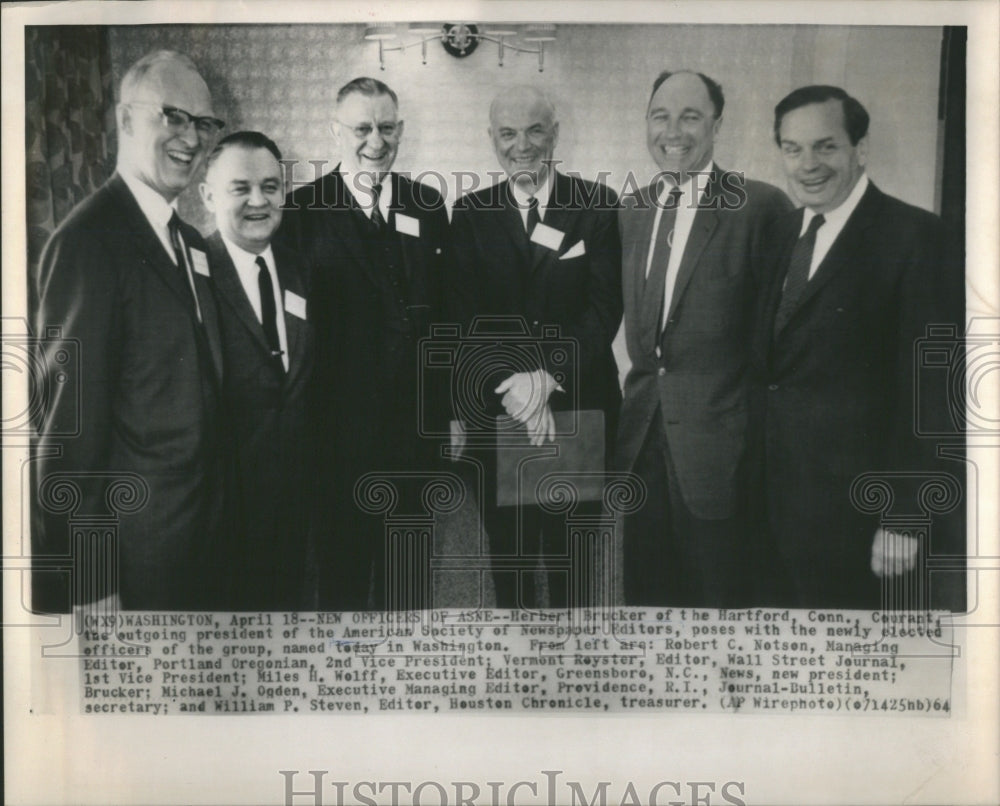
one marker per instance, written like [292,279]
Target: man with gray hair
[373,242]
[126,282]
[542,246]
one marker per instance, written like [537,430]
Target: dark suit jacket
[269,412]
[149,379]
[699,380]
[367,332]
[834,391]
[497,273]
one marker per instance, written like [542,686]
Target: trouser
[671,557]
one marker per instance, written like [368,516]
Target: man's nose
[190,135]
[809,160]
[522,142]
[257,197]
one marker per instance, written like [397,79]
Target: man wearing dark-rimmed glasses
[126,282]
[374,243]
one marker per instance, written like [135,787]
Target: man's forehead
[522,112]
[242,163]
[819,121]
[684,89]
[360,105]
[178,85]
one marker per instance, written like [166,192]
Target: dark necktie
[798,273]
[534,219]
[657,278]
[180,255]
[378,222]
[268,312]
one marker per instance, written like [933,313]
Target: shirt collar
[358,186]
[156,209]
[835,219]
[665,184]
[522,199]
[242,258]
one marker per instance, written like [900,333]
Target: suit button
[773,387]
[661,371]
[659,352]
[535,323]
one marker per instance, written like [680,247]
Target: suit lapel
[409,245]
[643,295]
[560,214]
[512,224]
[346,226]
[849,238]
[290,281]
[231,291]
[150,245]
[706,220]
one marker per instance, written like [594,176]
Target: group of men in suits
[249,382]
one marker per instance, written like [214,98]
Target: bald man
[542,246]
[695,260]
[126,283]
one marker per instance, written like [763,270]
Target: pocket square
[574,251]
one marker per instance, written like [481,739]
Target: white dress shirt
[692,195]
[247,270]
[360,187]
[523,199]
[833,223]
[158,213]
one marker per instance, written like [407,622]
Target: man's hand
[525,398]
[893,554]
[457,428]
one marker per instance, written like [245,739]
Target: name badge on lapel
[549,237]
[408,225]
[294,304]
[199,262]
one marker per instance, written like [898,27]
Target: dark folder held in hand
[576,456]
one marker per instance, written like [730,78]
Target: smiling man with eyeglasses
[127,282]
[374,243]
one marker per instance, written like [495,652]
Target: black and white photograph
[500,403]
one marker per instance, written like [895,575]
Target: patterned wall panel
[283,79]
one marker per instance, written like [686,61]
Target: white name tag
[549,237]
[199,263]
[408,225]
[295,304]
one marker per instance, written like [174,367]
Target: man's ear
[862,151]
[716,126]
[205,190]
[123,112]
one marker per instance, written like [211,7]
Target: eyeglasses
[178,120]
[385,130]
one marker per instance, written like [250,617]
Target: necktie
[656,280]
[798,273]
[180,255]
[268,312]
[533,217]
[378,222]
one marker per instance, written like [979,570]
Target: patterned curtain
[69,123]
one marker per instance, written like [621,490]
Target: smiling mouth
[675,151]
[181,157]
[814,184]
[256,216]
